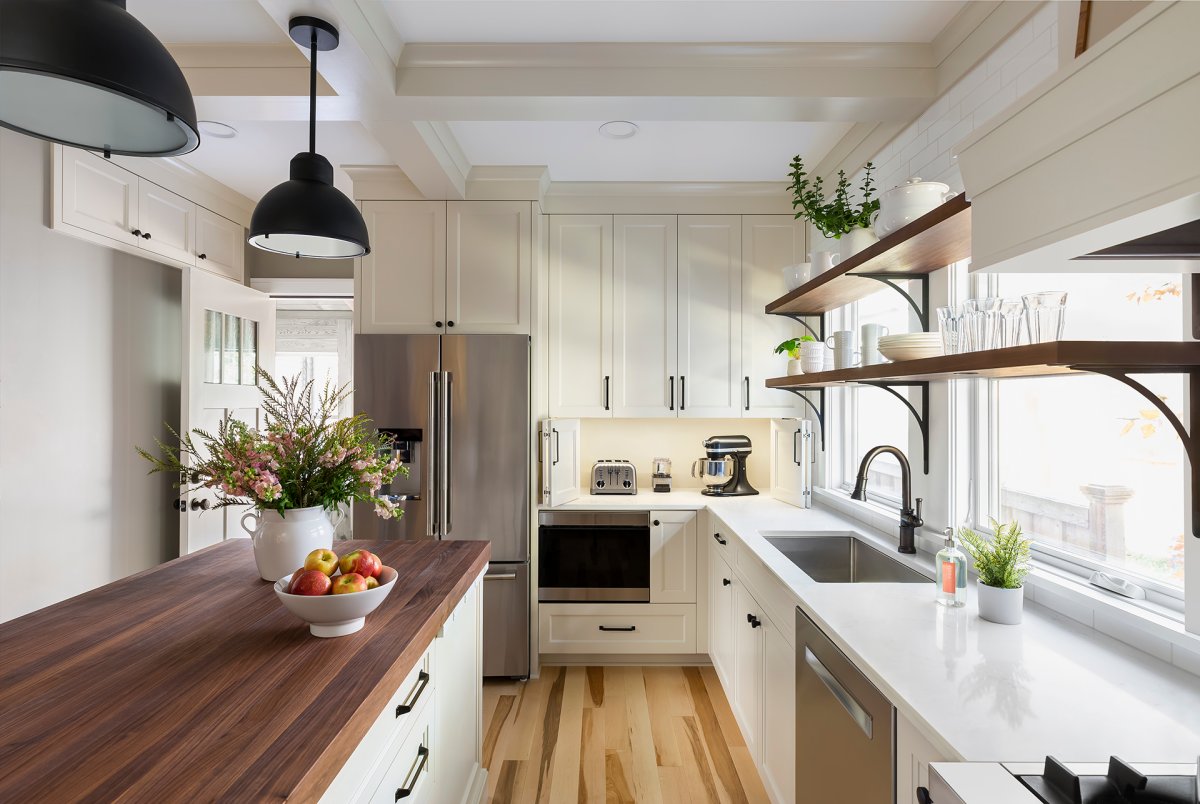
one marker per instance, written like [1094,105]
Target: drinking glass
[1045,315]
[1012,322]
[950,324]
[979,324]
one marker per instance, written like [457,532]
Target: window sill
[1155,630]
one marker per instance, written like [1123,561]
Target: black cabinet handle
[146,236]
[422,762]
[754,621]
[618,627]
[202,256]
[418,691]
[657,523]
[554,459]
[717,536]
[606,379]
[747,393]
[437,324]
[136,232]
[725,582]
[682,392]
[449,323]
[923,796]
[671,382]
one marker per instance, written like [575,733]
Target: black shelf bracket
[818,409]
[1190,436]
[801,319]
[922,416]
[890,279]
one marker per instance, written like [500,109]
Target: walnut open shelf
[934,240]
[1036,360]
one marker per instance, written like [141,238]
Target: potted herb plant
[792,348]
[302,466]
[1002,562]
[838,217]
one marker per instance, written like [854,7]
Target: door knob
[437,324]
[449,323]
[725,582]
[200,505]
[179,505]
[656,522]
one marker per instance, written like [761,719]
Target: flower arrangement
[839,215]
[1002,561]
[304,457]
[792,346]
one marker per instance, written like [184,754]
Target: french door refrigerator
[458,407]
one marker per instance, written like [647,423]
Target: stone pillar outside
[1106,518]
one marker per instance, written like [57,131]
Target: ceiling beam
[245,70]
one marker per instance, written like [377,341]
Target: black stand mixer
[724,470]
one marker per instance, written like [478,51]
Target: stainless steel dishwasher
[845,728]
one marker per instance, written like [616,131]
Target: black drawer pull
[423,760]
[418,691]
[717,536]
[725,582]
[923,796]
[618,628]
[657,523]
[754,621]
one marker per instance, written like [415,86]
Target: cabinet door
[400,287]
[769,242]
[645,316]
[914,752]
[167,221]
[99,197]
[220,245]
[778,748]
[710,316]
[746,699]
[489,264]
[792,445]
[673,557]
[561,473]
[581,315]
[720,617]
[458,692]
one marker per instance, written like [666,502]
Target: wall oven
[594,556]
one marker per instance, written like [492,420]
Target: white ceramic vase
[795,367]
[282,542]
[812,357]
[1001,605]
[855,241]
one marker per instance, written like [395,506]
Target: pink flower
[359,465]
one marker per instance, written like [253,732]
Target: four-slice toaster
[614,477]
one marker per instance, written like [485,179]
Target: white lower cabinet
[778,754]
[617,628]
[914,752]
[746,698]
[673,557]
[720,617]
[427,743]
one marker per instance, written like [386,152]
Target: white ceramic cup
[844,354]
[812,357]
[796,275]
[871,333]
[821,261]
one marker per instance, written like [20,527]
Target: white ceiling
[207,21]
[257,158]
[661,151]
[669,20]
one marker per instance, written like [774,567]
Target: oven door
[593,556]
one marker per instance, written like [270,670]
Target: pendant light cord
[312,96]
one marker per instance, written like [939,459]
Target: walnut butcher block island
[190,682]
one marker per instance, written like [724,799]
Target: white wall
[89,366]
[643,440]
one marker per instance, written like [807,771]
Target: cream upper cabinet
[400,287]
[645,316]
[769,242]
[580,311]
[711,384]
[220,245]
[489,266]
[672,556]
[99,197]
[778,745]
[167,221]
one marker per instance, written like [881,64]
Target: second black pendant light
[307,216]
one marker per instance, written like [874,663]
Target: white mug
[812,357]
[821,261]
[844,354]
[871,333]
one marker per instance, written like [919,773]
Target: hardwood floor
[615,734]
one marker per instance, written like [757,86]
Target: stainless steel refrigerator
[458,407]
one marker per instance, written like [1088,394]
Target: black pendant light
[87,73]
[307,216]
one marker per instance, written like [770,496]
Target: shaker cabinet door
[167,221]
[769,243]
[99,197]
[489,265]
[400,287]
[710,316]
[580,309]
[220,245]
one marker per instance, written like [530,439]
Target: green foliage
[792,346]
[1001,561]
[839,215]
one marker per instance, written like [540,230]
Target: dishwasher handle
[843,696]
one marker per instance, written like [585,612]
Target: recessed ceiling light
[618,129]
[222,131]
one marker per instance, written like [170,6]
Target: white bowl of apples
[336,604]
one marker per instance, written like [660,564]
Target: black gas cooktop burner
[1122,785]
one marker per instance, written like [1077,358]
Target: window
[314,339]
[1090,469]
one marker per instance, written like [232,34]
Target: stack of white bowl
[911,346]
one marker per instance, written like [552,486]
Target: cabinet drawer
[408,777]
[770,592]
[721,538]
[363,770]
[618,628]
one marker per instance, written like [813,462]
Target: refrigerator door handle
[446,439]
[434,476]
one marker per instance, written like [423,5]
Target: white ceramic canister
[902,205]
[283,541]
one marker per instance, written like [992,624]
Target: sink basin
[841,558]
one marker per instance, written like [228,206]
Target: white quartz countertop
[979,691]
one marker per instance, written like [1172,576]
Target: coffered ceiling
[722,90]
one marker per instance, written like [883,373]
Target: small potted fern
[1002,562]
[839,217]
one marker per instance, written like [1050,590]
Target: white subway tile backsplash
[933,113]
[947,121]
[995,104]
[1021,62]
[935,166]
[1038,72]
[924,157]
[966,85]
[954,136]
[913,147]
[1046,17]
[1007,50]
[985,90]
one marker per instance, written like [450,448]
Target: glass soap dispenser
[951,566]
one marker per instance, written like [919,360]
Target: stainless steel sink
[829,557]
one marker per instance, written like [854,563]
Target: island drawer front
[618,627]
[770,592]
[361,774]
[407,778]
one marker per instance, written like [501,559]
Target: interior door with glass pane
[228,330]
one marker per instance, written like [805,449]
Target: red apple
[324,560]
[364,562]
[311,582]
[350,582]
[292,582]
[372,582]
